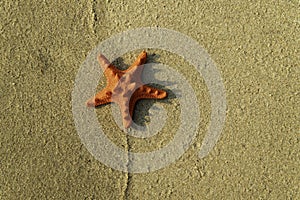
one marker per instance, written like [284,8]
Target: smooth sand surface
[255,47]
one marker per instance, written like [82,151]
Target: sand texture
[255,47]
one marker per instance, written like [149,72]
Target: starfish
[124,87]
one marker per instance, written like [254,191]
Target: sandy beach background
[255,47]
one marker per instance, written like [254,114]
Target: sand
[255,47]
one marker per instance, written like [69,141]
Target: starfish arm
[126,116]
[148,92]
[132,103]
[111,73]
[141,59]
[101,98]
[103,61]
[112,76]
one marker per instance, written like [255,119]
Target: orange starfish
[124,87]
